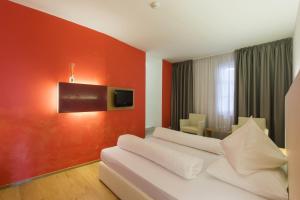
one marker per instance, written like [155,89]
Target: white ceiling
[180,29]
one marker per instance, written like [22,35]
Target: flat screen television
[75,97]
[123,98]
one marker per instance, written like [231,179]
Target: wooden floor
[81,183]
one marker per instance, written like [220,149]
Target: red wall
[166,93]
[36,50]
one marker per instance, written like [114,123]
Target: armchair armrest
[183,122]
[235,127]
[201,127]
[266,131]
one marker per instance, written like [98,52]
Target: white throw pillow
[271,183]
[248,149]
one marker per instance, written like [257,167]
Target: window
[214,90]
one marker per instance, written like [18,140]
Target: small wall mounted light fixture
[72,77]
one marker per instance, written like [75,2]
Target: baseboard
[18,183]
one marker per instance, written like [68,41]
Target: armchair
[261,122]
[195,124]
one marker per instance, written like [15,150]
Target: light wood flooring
[81,183]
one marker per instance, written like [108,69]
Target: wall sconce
[72,77]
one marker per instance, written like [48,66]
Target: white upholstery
[120,186]
[249,150]
[208,144]
[195,124]
[185,165]
[261,122]
[271,183]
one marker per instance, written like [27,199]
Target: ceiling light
[155,4]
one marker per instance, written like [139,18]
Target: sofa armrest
[183,122]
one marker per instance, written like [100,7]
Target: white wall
[153,91]
[297,45]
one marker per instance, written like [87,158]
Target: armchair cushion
[184,122]
[195,118]
[190,129]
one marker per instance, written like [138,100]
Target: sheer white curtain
[214,90]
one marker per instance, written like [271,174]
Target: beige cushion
[190,129]
[261,122]
[195,118]
[248,149]
[195,124]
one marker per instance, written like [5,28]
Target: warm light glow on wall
[88,82]
[50,99]
[79,116]
[84,78]
[37,139]
[83,114]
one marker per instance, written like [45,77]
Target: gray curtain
[182,92]
[264,75]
